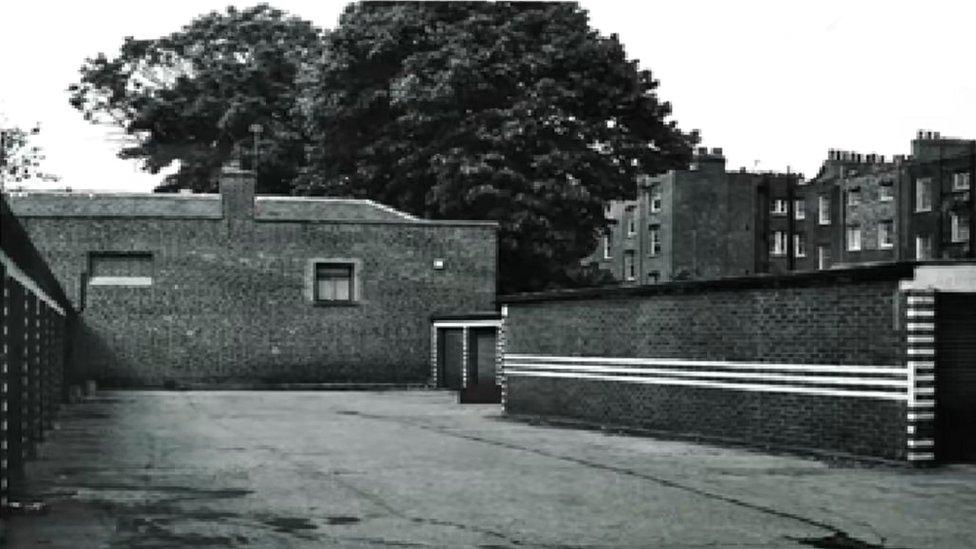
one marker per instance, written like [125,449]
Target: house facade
[705,222]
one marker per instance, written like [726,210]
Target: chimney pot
[717,151]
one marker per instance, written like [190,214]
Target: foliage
[192,96]
[20,158]
[516,112]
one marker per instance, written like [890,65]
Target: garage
[464,356]
[955,379]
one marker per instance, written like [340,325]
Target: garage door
[449,349]
[955,377]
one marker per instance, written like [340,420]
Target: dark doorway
[449,342]
[482,385]
[955,377]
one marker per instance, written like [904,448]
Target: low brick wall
[813,361]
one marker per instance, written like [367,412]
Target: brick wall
[228,298]
[751,359]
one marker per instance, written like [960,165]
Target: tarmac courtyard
[258,469]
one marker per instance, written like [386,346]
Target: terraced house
[705,222]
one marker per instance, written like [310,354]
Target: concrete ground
[415,469]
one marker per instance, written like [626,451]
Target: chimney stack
[237,192]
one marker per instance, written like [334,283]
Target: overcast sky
[774,83]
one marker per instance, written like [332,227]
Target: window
[824,209]
[854,238]
[854,196]
[630,271]
[631,221]
[333,282]
[799,245]
[654,239]
[607,247]
[655,199]
[120,269]
[960,181]
[799,209]
[778,206]
[923,247]
[823,257]
[654,276]
[886,191]
[923,194]
[886,229]
[778,243]
[959,225]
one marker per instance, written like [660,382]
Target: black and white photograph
[488,274]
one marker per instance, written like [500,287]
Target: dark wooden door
[955,377]
[449,341]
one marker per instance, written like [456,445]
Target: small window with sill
[655,199]
[886,191]
[960,181]
[778,207]
[335,281]
[959,227]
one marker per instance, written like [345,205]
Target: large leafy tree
[20,156]
[516,112]
[192,96]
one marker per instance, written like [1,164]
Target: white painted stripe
[927,378]
[921,364]
[920,327]
[676,362]
[922,443]
[922,404]
[825,380]
[920,313]
[900,395]
[921,339]
[920,351]
[910,430]
[484,323]
[921,416]
[920,456]
[16,273]
[120,281]
[921,299]
[924,390]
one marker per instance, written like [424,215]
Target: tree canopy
[516,112]
[192,96]
[20,156]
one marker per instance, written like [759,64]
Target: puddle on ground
[288,525]
[340,519]
[837,540]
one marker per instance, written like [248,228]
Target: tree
[516,112]
[20,158]
[191,96]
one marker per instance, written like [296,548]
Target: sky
[775,84]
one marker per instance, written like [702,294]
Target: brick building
[700,223]
[706,222]
[236,288]
[917,207]
[869,360]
